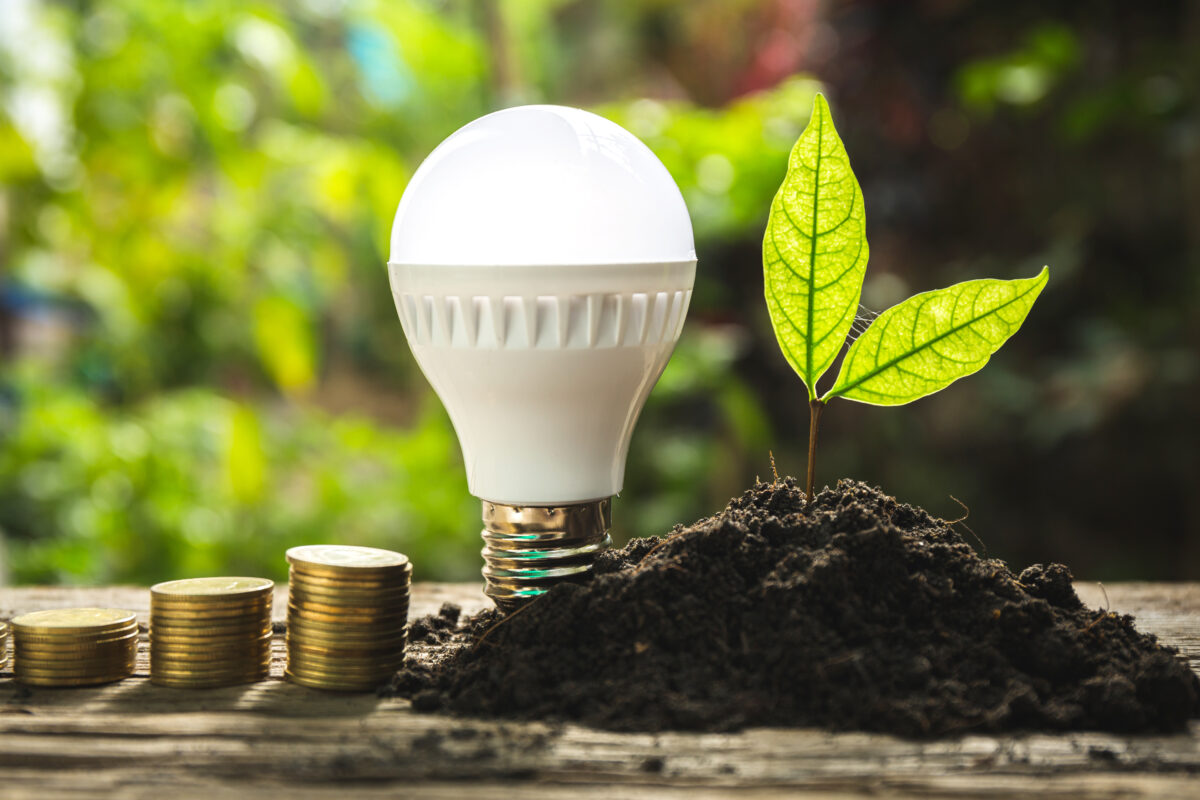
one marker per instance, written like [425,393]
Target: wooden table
[134,740]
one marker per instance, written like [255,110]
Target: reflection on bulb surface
[542,265]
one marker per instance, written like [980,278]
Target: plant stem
[814,416]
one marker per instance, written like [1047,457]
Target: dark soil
[860,613]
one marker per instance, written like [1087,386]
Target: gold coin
[63,683]
[210,646]
[198,611]
[335,585]
[340,677]
[372,597]
[73,621]
[349,638]
[356,645]
[125,632]
[229,672]
[61,663]
[372,638]
[159,661]
[184,658]
[348,668]
[316,656]
[348,630]
[307,605]
[247,628]
[380,616]
[339,599]
[332,683]
[211,600]
[73,643]
[213,589]
[298,582]
[213,635]
[343,672]
[210,640]
[66,645]
[41,672]
[212,627]
[99,676]
[201,614]
[208,653]
[158,639]
[129,645]
[343,557]
[349,577]
[371,635]
[337,652]
[210,669]
[309,608]
[98,667]
[199,663]
[340,646]
[76,657]
[225,654]
[352,585]
[209,612]
[210,683]
[195,686]
[222,644]
[325,662]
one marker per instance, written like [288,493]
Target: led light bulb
[542,264]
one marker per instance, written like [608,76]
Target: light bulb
[542,265]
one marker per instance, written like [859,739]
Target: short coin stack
[207,632]
[347,616]
[3,645]
[74,646]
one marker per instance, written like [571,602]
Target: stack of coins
[347,616]
[74,646]
[207,632]
[3,645]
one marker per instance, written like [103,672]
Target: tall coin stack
[347,616]
[207,632]
[3,644]
[74,646]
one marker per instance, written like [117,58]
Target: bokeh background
[202,364]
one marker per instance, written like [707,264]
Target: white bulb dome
[542,266]
[541,185]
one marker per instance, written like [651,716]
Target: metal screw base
[528,549]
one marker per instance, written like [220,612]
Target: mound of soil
[859,613]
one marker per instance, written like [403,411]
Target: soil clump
[858,613]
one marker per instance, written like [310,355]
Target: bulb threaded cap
[528,549]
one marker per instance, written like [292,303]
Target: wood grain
[135,740]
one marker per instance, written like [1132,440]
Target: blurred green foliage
[189,483]
[212,184]
[202,364]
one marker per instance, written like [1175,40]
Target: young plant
[814,262]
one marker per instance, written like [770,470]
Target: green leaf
[815,250]
[931,340]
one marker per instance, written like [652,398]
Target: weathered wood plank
[134,740]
